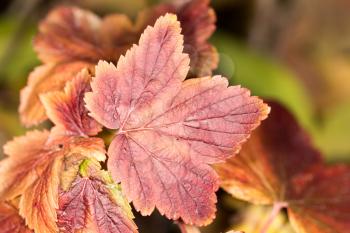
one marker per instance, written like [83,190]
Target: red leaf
[198,24]
[169,130]
[91,204]
[70,39]
[69,33]
[32,171]
[279,164]
[67,110]
[263,171]
[45,78]
[10,221]
[322,202]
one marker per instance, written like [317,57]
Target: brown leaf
[277,151]
[279,165]
[198,24]
[322,202]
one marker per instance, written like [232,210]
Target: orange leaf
[24,164]
[72,35]
[38,202]
[32,171]
[69,33]
[322,202]
[45,78]
[169,130]
[264,170]
[279,164]
[67,110]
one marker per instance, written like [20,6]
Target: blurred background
[295,51]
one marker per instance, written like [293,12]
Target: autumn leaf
[32,172]
[70,39]
[279,165]
[263,172]
[322,201]
[169,129]
[11,221]
[67,109]
[45,78]
[94,204]
[69,33]
[198,24]
[43,167]
[20,169]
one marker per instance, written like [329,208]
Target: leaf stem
[275,211]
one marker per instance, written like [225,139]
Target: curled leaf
[169,130]
[66,109]
[32,171]
[45,78]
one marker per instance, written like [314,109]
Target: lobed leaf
[24,164]
[91,204]
[169,130]
[198,24]
[32,171]
[70,39]
[45,78]
[67,109]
